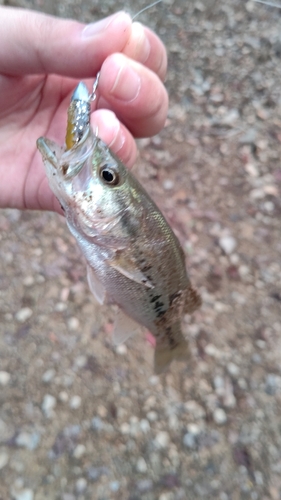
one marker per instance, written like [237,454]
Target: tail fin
[165,354]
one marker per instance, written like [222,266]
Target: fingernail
[109,127]
[93,29]
[142,43]
[127,84]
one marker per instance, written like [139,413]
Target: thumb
[34,43]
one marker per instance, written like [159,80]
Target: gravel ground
[82,420]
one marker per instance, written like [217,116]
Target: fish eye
[109,176]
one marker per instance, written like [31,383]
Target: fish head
[91,183]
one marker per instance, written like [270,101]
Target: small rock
[233,370]
[252,169]
[273,383]
[189,440]
[114,486]
[230,117]
[97,424]
[48,376]
[168,184]
[4,378]
[73,324]
[152,416]
[162,440]
[249,137]
[219,416]
[227,244]
[79,451]
[154,380]
[144,485]
[81,485]
[28,281]
[193,429]
[48,405]
[125,428]
[141,465]
[75,402]
[63,397]
[4,459]
[144,425]
[80,361]
[24,494]
[27,440]
[122,349]
[166,496]
[23,314]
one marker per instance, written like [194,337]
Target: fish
[134,260]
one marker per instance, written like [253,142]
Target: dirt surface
[80,419]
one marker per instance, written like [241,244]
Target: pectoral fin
[124,327]
[129,268]
[96,286]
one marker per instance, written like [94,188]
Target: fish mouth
[72,160]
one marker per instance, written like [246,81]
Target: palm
[31,107]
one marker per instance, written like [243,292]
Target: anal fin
[164,355]
[124,328]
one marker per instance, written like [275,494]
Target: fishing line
[145,8]
[269,4]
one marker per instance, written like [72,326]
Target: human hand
[42,59]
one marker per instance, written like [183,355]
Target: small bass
[134,260]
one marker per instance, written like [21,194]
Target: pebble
[114,486]
[121,349]
[144,425]
[168,184]
[81,485]
[273,383]
[227,244]
[4,378]
[23,314]
[75,402]
[166,496]
[27,440]
[80,361]
[154,380]
[79,451]
[97,424]
[152,416]
[189,440]
[63,397]
[144,485]
[162,440]
[219,416]
[48,405]
[28,281]
[73,323]
[125,428]
[4,459]
[141,465]
[48,376]
[193,429]
[25,494]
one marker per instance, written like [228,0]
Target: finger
[135,93]
[115,135]
[145,47]
[36,43]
